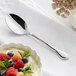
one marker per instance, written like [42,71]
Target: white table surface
[52,32]
[44,7]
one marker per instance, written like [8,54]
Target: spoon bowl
[14,26]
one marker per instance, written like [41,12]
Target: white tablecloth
[45,8]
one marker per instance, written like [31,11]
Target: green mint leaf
[6,62]
[2,65]
[3,71]
[20,53]
[26,54]
[27,68]
[28,71]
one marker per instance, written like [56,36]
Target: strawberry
[19,64]
[4,55]
[11,72]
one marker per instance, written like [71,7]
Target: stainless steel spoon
[19,26]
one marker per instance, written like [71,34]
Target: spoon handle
[62,54]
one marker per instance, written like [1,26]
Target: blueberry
[3,61]
[11,63]
[4,74]
[10,54]
[0,73]
[25,60]
[21,69]
[29,68]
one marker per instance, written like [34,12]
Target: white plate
[48,30]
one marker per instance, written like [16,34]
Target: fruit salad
[17,62]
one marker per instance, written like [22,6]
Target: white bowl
[33,54]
